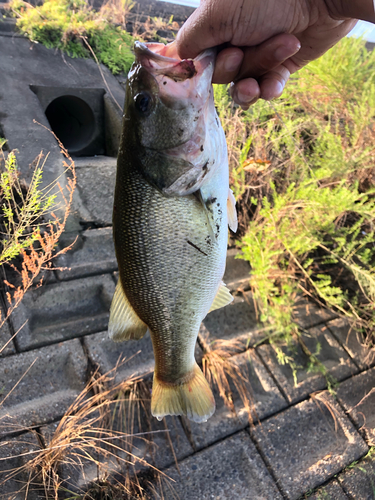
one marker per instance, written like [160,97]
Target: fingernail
[232,62]
[284,52]
[279,89]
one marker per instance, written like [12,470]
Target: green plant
[304,179]
[31,223]
[72,26]
[21,208]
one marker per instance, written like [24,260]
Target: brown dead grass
[98,429]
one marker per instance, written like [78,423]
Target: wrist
[352,9]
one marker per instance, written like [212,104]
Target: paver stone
[92,253]
[328,351]
[14,454]
[229,469]
[237,271]
[357,395]
[261,392]
[96,178]
[235,321]
[331,491]
[6,344]
[308,443]
[64,310]
[307,314]
[359,481]
[39,386]
[353,342]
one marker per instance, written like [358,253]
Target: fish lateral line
[197,248]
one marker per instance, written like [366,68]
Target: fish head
[169,106]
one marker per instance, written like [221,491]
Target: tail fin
[192,397]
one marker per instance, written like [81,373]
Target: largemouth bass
[171,210]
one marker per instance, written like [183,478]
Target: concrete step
[7,25]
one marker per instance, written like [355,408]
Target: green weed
[302,169]
[69,24]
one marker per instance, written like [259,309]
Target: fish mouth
[160,59]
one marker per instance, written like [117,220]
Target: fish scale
[160,271]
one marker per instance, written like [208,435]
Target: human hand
[262,41]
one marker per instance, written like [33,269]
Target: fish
[172,206]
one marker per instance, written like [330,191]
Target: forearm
[354,9]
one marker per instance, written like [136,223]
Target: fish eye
[143,102]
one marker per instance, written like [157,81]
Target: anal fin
[124,323]
[191,397]
[222,298]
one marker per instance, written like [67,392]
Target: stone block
[331,491]
[16,482]
[138,355]
[307,314]
[96,178]
[263,396]
[40,385]
[308,443]
[357,395]
[358,481]
[353,342]
[328,351]
[235,321]
[92,253]
[64,310]
[229,469]
[237,271]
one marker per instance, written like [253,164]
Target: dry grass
[224,374]
[97,433]
[117,11]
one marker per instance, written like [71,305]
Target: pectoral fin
[124,324]
[232,212]
[222,298]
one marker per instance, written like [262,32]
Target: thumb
[199,33]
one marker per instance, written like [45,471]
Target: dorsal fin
[124,323]
[222,298]
[232,212]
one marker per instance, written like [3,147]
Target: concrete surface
[60,311]
[207,474]
[308,443]
[358,481]
[357,396]
[307,378]
[298,442]
[93,253]
[48,381]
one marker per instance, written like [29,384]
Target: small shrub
[302,168]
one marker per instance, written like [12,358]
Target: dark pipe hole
[72,120]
